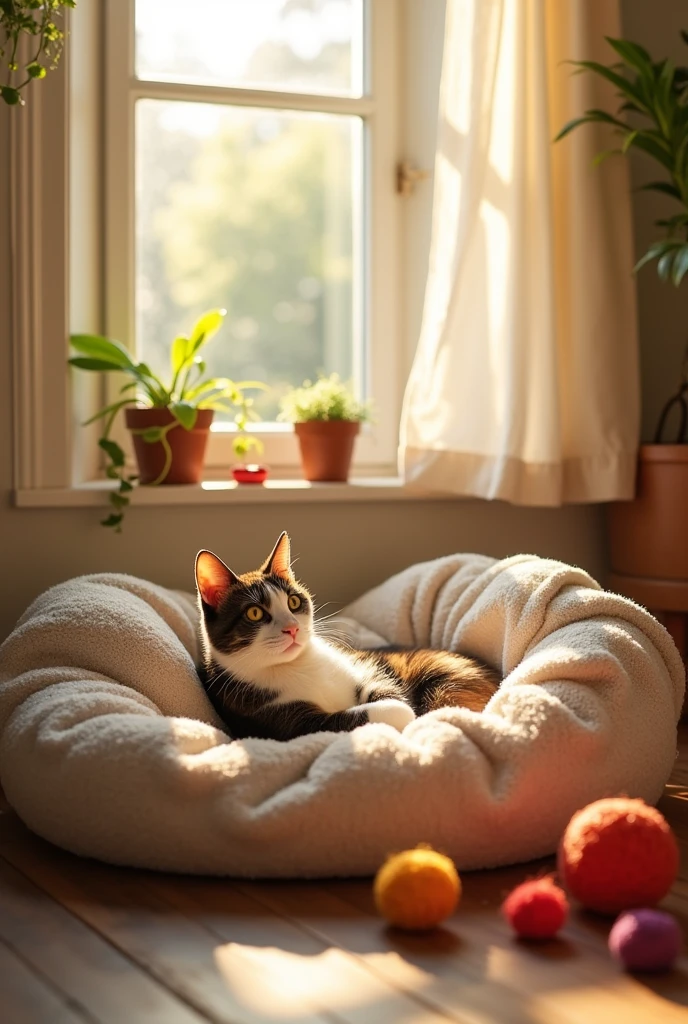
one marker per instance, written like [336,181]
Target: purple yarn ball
[645,940]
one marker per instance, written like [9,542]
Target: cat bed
[110,748]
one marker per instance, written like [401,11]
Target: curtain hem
[607,477]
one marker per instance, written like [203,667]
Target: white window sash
[381,376]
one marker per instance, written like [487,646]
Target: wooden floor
[80,941]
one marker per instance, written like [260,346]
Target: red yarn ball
[537,909]
[618,853]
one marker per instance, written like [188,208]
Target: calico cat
[269,673]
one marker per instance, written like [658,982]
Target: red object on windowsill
[251,474]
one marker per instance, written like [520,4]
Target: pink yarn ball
[536,909]
[645,940]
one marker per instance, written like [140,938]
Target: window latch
[408,177]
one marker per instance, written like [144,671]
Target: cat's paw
[392,712]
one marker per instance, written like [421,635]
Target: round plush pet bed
[109,747]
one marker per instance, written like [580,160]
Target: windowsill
[227,492]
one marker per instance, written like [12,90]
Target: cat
[270,674]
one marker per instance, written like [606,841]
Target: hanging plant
[36,20]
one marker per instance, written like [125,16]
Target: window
[249,164]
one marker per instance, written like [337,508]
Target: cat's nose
[292,630]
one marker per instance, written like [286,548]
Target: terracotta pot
[188,446]
[326,448]
[649,535]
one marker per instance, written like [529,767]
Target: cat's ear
[279,561]
[213,578]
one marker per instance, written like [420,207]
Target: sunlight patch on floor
[287,985]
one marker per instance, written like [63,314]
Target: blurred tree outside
[253,210]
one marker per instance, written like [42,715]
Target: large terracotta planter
[326,448]
[648,537]
[187,446]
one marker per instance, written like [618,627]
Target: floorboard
[82,941]
[25,997]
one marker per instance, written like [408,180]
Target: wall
[342,549]
[662,308]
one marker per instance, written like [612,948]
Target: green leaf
[112,450]
[604,155]
[258,385]
[243,444]
[570,125]
[656,250]
[125,485]
[84,363]
[680,267]
[212,384]
[665,263]
[664,102]
[11,96]
[102,348]
[677,221]
[185,413]
[152,435]
[205,327]
[632,54]
[181,350]
[650,145]
[114,519]
[107,410]
[627,88]
[157,393]
[119,500]
[661,186]
[628,142]
[594,114]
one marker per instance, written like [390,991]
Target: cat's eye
[254,613]
[295,602]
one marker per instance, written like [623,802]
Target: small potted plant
[326,417]
[169,423]
[648,535]
[243,443]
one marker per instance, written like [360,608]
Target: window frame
[381,375]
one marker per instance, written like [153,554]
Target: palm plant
[652,116]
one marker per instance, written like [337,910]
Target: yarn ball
[536,909]
[645,940]
[417,889]
[618,853]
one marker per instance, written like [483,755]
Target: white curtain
[525,384]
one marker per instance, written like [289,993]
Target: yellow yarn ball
[417,889]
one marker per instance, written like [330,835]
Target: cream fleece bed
[109,747]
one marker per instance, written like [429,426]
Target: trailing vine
[38,21]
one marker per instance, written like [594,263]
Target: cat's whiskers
[329,631]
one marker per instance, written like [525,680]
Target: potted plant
[169,423]
[648,535]
[35,20]
[247,472]
[326,417]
